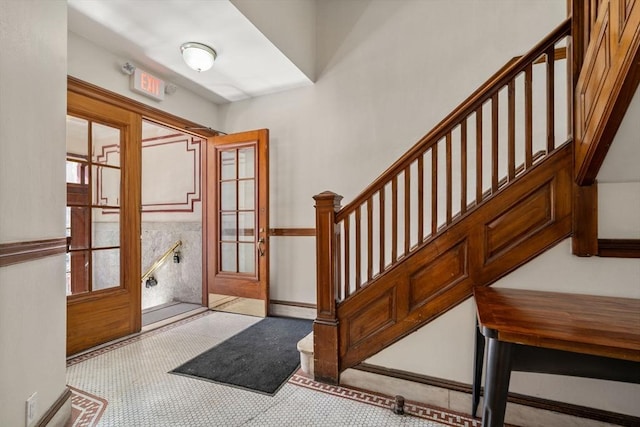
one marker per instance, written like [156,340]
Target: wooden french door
[237,221]
[103,222]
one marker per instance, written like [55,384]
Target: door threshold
[173,319]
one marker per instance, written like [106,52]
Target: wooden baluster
[325,327]
[394,219]
[347,257]
[420,199]
[448,175]
[358,252]
[494,143]
[528,116]
[511,132]
[479,155]
[382,228]
[550,99]
[434,190]
[463,167]
[407,210]
[369,238]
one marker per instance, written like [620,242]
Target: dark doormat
[260,358]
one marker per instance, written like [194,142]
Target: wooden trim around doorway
[96,92]
[17,252]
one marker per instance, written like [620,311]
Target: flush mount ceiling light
[198,56]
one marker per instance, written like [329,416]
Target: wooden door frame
[81,87]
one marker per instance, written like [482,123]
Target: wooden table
[555,333]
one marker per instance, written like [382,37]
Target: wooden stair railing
[409,233]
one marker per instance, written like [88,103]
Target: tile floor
[132,377]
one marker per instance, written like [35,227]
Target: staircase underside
[521,221]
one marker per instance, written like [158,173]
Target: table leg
[478,361]
[496,384]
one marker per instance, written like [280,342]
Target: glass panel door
[237,218]
[93,206]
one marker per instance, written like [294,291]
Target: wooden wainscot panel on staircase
[402,253]
[608,79]
[438,275]
[528,220]
[528,216]
[519,223]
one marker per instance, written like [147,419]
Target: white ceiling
[150,34]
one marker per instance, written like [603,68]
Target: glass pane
[246,227]
[106,227]
[77,272]
[77,138]
[247,257]
[68,221]
[228,164]
[246,194]
[79,227]
[76,172]
[246,162]
[228,196]
[106,186]
[229,226]
[106,269]
[106,144]
[228,257]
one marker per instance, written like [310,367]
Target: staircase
[488,189]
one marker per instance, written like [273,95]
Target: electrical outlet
[32,408]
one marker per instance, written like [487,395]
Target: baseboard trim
[301,310]
[619,248]
[293,303]
[520,399]
[55,408]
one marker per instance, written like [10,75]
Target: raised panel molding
[518,222]
[596,71]
[373,318]
[438,275]
[625,13]
[607,81]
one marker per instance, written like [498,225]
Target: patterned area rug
[411,408]
[86,408]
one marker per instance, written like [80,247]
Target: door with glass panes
[237,220]
[103,222]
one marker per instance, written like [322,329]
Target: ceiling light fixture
[198,56]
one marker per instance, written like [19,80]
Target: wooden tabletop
[603,326]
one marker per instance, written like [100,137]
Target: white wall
[33,37]
[293,32]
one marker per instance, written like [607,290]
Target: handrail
[431,186]
[160,261]
[467,107]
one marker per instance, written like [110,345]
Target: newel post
[325,327]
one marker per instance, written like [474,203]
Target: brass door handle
[261,250]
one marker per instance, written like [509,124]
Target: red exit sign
[147,84]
